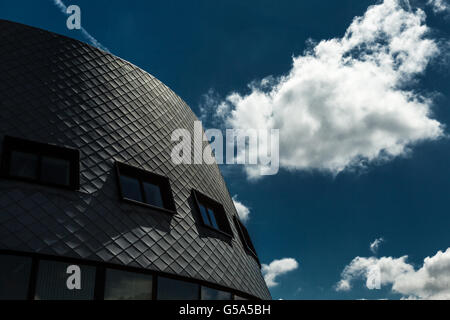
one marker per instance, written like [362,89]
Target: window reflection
[208,216]
[211,213]
[40,163]
[55,171]
[14,277]
[131,188]
[170,289]
[145,187]
[245,237]
[153,194]
[123,285]
[213,294]
[213,219]
[205,215]
[24,165]
[52,278]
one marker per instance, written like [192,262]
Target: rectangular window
[55,281]
[213,294]
[124,285]
[24,165]
[171,289]
[55,171]
[40,163]
[152,193]
[131,188]
[212,213]
[143,187]
[208,216]
[14,277]
[245,237]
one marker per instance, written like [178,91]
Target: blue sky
[321,217]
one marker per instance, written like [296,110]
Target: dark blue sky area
[320,220]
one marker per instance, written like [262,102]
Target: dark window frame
[146,176]
[40,149]
[245,238]
[218,210]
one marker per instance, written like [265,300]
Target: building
[87,181]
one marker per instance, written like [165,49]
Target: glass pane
[248,241]
[123,285]
[131,188]
[213,219]
[56,282]
[55,171]
[239,298]
[14,277]
[204,215]
[24,165]
[212,294]
[153,194]
[170,289]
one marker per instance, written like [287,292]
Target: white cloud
[430,281]
[61,6]
[345,102]
[277,268]
[439,6]
[375,245]
[242,210]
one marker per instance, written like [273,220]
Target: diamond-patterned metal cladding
[57,90]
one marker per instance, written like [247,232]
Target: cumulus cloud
[348,101]
[375,245]
[61,6]
[242,210]
[439,6]
[430,281]
[277,268]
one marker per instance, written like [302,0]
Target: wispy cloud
[63,8]
[277,268]
[375,245]
[439,6]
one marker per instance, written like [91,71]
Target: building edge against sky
[86,179]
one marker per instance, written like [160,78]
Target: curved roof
[61,91]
